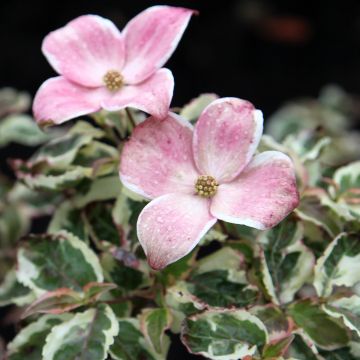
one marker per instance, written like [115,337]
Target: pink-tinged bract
[85,50]
[164,158]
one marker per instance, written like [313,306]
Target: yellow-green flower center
[206,186]
[113,80]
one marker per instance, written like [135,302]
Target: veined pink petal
[170,226]
[59,100]
[85,49]
[157,159]
[262,195]
[150,39]
[152,95]
[226,137]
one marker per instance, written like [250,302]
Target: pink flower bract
[165,157]
[100,67]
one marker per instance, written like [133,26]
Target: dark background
[267,52]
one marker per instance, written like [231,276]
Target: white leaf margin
[323,284]
[242,349]
[27,271]
[40,325]
[351,304]
[54,339]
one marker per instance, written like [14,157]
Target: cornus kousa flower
[198,175]
[103,68]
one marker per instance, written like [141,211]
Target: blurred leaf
[101,189]
[65,299]
[60,152]
[300,349]
[230,334]
[30,340]
[339,265]
[347,190]
[339,354]
[346,308]
[13,224]
[56,182]
[50,262]
[69,219]
[316,324]
[12,292]
[275,350]
[21,129]
[87,335]
[130,344]
[313,210]
[13,101]
[276,322]
[194,108]
[153,323]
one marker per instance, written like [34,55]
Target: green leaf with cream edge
[224,334]
[50,262]
[339,266]
[86,335]
[29,342]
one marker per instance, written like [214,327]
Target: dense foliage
[85,290]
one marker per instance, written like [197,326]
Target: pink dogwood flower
[100,67]
[195,176]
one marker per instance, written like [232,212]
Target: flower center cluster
[113,80]
[206,186]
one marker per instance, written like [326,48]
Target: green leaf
[346,308]
[274,319]
[224,334]
[35,203]
[30,340]
[347,191]
[224,259]
[60,152]
[339,266]
[21,129]
[130,343]
[153,323]
[302,348]
[101,224]
[316,324]
[87,335]
[339,354]
[65,299]
[70,219]
[289,262]
[59,182]
[313,209]
[192,110]
[55,302]
[125,214]
[14,223]
[219,288]
[125,277]
[179,298]
[277,349]
[12,292]
[13,101]
[105,188]
[50,262]
[263,276]
[178,270]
